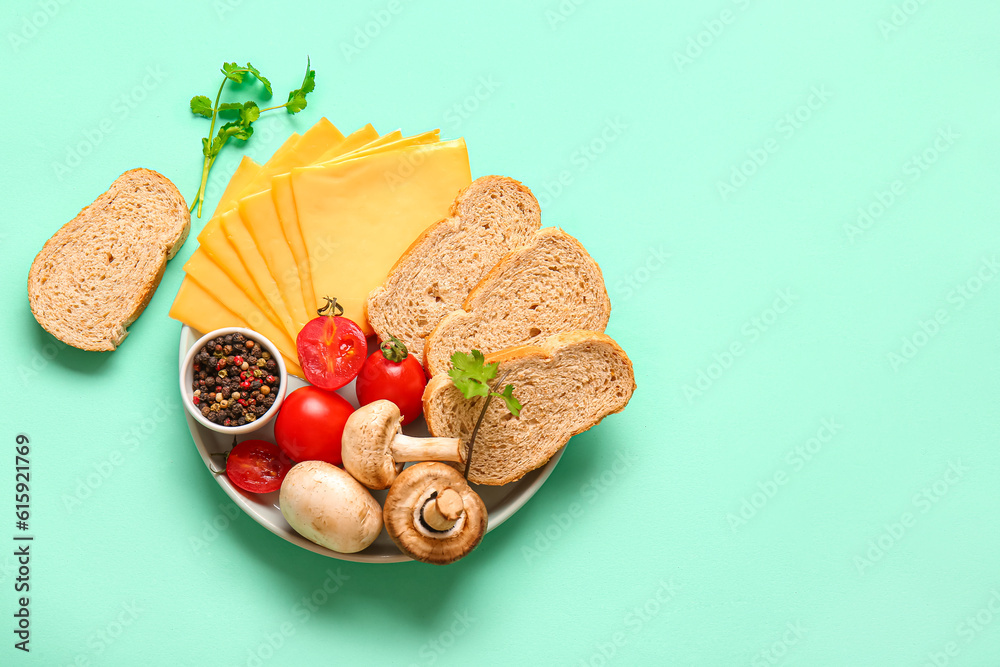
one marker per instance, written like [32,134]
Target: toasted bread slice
[488,219]
[95,276]
[548,286]
[566,383]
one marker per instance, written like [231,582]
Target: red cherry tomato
[331,349]
[310,424]
[257,466]
[394,375]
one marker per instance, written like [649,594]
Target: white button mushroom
[329,507]
[374,449]
[433,515]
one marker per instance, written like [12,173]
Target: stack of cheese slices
[327,216]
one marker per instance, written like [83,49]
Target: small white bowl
[187,377]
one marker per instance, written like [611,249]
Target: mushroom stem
[442,512]
[407,448]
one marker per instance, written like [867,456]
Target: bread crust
[545,351]
[169,232]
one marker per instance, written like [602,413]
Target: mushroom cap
[413,488]
[329,507]
[367,441]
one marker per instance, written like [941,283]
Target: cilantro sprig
[243,114]
[472,375]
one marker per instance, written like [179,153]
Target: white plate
[501,501]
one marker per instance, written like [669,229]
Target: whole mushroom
[433,515]
[329,507]
[374,449]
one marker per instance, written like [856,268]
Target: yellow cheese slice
[246,175]
[259,215]
[242,177]
[317,141]
[261,220]
[292,315]
[216,244]
[203,270]
[252,262]
[284,204]
[213,280]
[221,252]
[376,206]
[198,309]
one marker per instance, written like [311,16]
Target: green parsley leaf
[309,81]
[243,115]
[513,405]
[201,105]
[296,102]
[297,98]
[472,375]
[230,106]
[249,113]
[260,77]
[233,72]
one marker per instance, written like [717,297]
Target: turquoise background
[808,473]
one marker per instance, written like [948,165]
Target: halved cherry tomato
[395,375]
[310,424]
[257,466]
[331,348]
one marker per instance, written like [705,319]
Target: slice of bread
[545,287]
[566,383]
[95,276]
[488,219]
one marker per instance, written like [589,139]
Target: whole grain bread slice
[96,274]
[488,219]
[545,287]
[566,384]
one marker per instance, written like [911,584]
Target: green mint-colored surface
[795,209]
